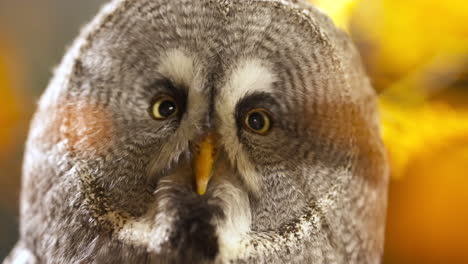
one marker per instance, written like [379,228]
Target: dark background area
[34,36]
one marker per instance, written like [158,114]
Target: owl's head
[199,131]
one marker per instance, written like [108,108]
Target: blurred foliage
[412,132]
[339,10]
[9,119]
[417,45]
[9,111]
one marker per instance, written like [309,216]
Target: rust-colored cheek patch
[87,128]
[342,131]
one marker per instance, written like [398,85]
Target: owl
[205,131]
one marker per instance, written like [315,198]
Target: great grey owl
[205,131]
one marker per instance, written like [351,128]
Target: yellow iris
[164,107]
[258,121]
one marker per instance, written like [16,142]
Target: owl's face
[180,131]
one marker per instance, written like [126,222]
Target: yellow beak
[204,160]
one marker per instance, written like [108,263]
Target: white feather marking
[236,223]
[185,70]
[247,77]
[179,67]
[23,256]
[250,75]
[144,232]
[152,230]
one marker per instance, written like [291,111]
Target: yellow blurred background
[416,52]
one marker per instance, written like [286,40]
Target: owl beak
[204,160]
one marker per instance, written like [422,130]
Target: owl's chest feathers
[282,201]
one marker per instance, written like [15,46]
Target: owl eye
[164,107]
[258,121]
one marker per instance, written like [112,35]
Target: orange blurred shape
[9,111]
[428,205]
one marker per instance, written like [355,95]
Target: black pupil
[167,108]
[256,121]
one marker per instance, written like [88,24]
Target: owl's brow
[168,86]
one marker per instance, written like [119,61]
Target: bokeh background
[416,52]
